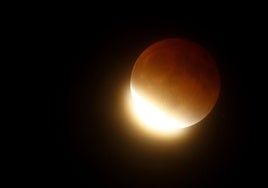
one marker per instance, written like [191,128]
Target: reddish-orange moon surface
[180,77]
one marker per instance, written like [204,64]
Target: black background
[89,142]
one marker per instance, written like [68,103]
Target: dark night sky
[90,139]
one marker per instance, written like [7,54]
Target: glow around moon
[175,84]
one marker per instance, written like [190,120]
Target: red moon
[180,77]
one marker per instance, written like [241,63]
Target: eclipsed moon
[175,83]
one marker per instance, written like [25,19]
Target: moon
[175,83]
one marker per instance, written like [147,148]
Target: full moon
[175,83]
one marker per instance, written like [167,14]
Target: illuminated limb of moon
[154,119]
